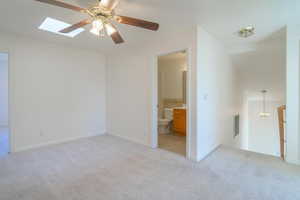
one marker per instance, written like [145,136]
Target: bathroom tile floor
[173,143]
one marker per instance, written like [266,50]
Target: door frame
[154,99]
[10,150]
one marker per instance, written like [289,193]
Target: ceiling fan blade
[109,4]
[76,26]
[116,36]
[137,22]
[62,4]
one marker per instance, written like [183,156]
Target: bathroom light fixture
[246,32]
[264,113]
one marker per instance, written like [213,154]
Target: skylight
[54,26]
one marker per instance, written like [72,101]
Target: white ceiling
[220,18]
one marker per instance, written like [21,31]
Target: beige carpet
[108,168]
[172,143]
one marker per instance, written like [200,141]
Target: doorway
[4,116]
[172,104]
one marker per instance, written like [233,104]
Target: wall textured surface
[57,93]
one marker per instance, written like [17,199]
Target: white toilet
[164,124]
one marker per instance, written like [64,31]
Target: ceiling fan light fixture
[110,29]
[95,31]
[109,4]
[101,16]
[97,27]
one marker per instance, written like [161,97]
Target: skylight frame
[54,26]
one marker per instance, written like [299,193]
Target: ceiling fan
[101,16]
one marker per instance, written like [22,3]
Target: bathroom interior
[172,87]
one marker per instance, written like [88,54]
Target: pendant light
[264,113]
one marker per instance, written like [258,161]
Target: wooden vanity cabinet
[179,121]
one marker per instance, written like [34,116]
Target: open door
[281,120]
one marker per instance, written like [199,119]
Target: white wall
[261,69]
[129,82]
[57,93]
[293,93]
[132,78]
[263,134]
[3,90]
[242,139]
[130,94]
[215,78]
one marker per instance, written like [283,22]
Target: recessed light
[246,32]
[54,26]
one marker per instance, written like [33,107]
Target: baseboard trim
[130,139]
[50,143]
[209,153]
[293,162]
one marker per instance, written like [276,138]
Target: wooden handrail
[281,122]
